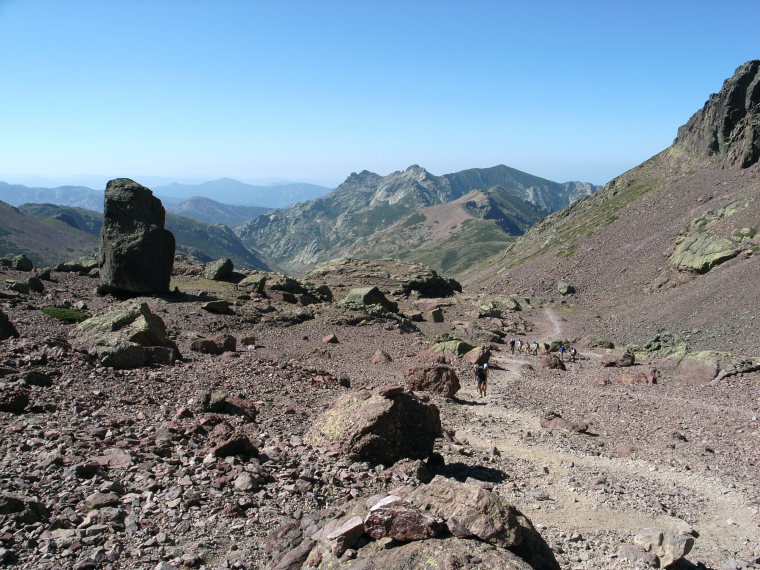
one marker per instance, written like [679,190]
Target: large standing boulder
[436,379]
[136,252]
[369,427]
[126,338]
[7,329]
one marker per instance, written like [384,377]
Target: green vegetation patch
[68,316]
[413,220]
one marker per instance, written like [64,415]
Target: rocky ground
[107,468]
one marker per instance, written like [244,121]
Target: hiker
[481,378]
[573,354]
[547,348]
[535,349]
[512,345]
[562,352]
[519,345]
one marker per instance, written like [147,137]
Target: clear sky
[314,90]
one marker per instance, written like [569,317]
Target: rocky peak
[727,129]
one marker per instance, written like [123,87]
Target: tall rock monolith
[136,252]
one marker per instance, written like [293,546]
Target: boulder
[701,251]
[219,269]
[13,399]
[473,512]
[22,509]
[436,379]
[218,307]
[368,296]
[136,252]
[7,330]
[21,263]
[35,284]
[436,315]
[552,362]
[380,430]
[669,546]
[380,357]
[478,355]
[83,264]
[205,346]
[398,519]
[618,360]
[564,288]
[120,337]
[552,420]
[455,346]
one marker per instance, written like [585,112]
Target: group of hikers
[519,347]
[525,347]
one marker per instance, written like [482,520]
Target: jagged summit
[727,129]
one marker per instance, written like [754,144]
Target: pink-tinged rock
[345,536]
[113,459]
[478,355]
[225,442]
[415,316]
[330,339]
[555,421]
[281,296]
[183,412]
[624,450]
[389,391]
[648,377]
[435,379]
[402,521]
[381,357]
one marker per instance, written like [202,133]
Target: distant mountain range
[231,191]
[367,204]
[224,190]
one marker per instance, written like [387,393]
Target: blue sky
[314,90]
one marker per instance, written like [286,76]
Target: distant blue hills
[223,190]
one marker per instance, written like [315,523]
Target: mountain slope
[199,240]
[672,243]
[301,236]
[45,241]
[213,212]
[451,237]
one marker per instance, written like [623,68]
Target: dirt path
[555,487]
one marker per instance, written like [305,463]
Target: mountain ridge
[307,233]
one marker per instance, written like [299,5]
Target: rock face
[126,338]
[379,430]
[700,252]
[7,329]
[436,379]
[136,252]
[727,128]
